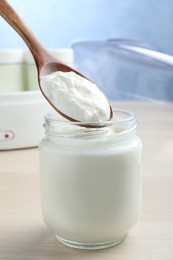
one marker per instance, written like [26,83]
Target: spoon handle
[12,18]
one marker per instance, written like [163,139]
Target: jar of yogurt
[91,180]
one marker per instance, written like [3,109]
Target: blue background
[59,23]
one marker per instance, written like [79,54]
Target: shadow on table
[38,243]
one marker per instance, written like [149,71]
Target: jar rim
[119,117]
[121,128]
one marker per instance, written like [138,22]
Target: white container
[64,55]
[22,112]
[21,116]
[11,70]
[91,180]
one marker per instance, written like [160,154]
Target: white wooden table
[23,234]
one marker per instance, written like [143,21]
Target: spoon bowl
[46,63]
[51,67]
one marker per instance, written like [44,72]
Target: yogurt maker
[22,106]
[21,119]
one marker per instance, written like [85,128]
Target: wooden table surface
[23,234]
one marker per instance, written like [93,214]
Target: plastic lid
[11,56]
[128,49]
[64,55]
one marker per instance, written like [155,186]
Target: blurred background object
[11,70]
[126,69]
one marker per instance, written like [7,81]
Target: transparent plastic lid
[126,69]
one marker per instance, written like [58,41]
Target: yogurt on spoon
[76,96]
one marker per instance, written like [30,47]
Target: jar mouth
[123,117]
[122,124]
[121,127]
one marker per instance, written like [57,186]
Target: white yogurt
[76,96]
[91,181]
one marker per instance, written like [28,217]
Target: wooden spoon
[45,62]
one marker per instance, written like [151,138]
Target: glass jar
[91,180]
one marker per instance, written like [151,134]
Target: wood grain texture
[23,234]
